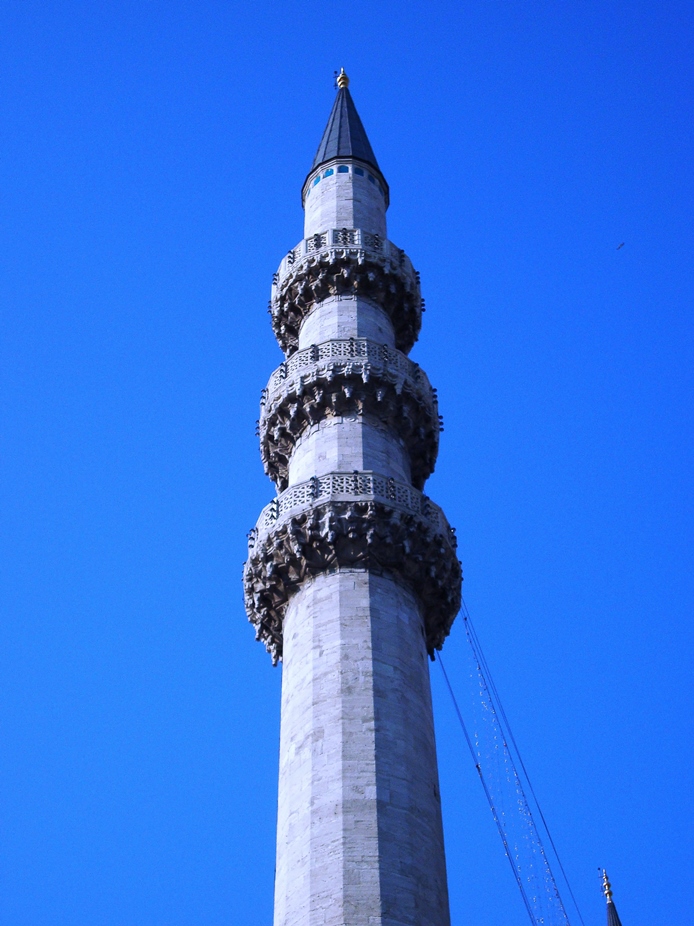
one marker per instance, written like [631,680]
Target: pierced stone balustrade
[345,487]
[351,520]
[347,261]
[344,377]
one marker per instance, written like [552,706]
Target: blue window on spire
[372,179]
[343,169]
[329,172]
[317,180]
[358,170]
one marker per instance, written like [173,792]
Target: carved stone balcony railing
[343,377]
[351,521]
[345,261]
[351,237]
[347,487]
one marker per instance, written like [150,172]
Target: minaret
[352,575]
[612,915]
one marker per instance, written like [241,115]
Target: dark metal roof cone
[612,915]
[344,135]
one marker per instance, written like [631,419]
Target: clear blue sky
[151,161]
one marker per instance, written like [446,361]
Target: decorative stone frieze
[347,377]
[351,521]
[345,262]
[346,487]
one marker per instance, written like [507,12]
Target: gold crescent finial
[606,886]
[342,79]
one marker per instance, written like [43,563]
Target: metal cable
[488,795]
[477,648]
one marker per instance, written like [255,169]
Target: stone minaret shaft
[352,575]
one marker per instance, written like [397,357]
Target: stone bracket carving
[310,534]
[346,377]
[372,268]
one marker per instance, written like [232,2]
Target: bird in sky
[620,245]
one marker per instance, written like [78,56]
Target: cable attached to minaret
[489,702]
[477,649]
[497,820]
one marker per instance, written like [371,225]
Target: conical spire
[344,135]
[612,915]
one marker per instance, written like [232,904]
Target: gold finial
[606,886]
[342,79]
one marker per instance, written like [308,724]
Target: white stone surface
[346,317]
[342,445]
[344,200]
[359,840]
